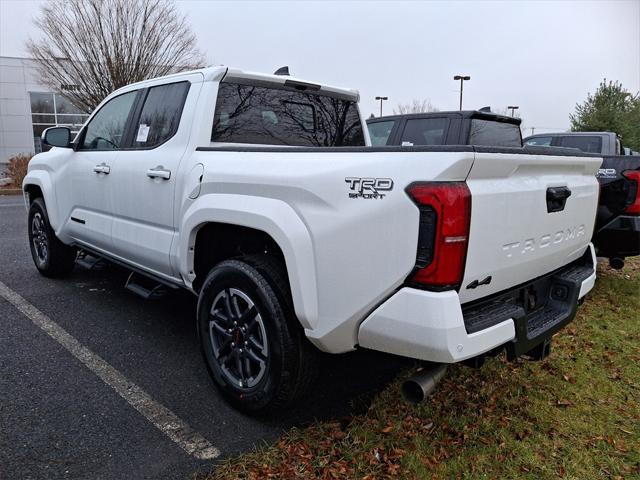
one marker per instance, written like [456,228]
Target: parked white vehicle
[259,194]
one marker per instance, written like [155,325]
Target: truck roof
[571,133]
[218,73]
[460,113]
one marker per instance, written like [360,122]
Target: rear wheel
[51,257]
[252,343]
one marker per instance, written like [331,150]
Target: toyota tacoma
[261,195]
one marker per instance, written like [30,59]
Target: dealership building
[27,107]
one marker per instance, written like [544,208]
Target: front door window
[106,129]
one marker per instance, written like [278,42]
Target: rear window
[494,134]
[270,116]
[584,143]
[379,132]
[425,131]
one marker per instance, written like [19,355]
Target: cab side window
[106,129]
[379,132]
[160,115]
[585,143]
[539,141]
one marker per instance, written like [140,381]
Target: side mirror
[57,137]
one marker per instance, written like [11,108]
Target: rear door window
[272,116]
[584,143]
[539,141]
[160,115]
[425,131]
[380,132]
[494,134]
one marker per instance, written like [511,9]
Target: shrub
[17,168]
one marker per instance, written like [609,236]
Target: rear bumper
[619,238]
[433,326]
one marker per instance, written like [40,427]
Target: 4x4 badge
[476,283]
[368,187]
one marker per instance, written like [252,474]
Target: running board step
[145,287]
[88,261]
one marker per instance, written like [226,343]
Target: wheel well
[34,192]
[216,242]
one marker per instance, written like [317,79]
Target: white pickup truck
[260,194]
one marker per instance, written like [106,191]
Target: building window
[50,110]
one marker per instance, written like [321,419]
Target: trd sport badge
[368,187]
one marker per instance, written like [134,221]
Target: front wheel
[254,348]
[51,257]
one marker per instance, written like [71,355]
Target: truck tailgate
[520,228]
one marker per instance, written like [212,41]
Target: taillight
[445,214]
[634,176]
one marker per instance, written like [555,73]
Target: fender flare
[272,216]
[41,179]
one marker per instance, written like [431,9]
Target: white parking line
[161,417]
[11,205]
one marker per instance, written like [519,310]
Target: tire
[51,257]
[264,362]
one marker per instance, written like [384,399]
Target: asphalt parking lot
[60,419]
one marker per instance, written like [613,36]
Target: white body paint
[345,254]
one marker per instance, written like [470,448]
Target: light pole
[462,78]
[513,108]
[381,100]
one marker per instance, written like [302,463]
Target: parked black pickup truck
[604,143]
[617,229]
[469,127]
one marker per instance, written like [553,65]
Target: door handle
[159,172]
[102,168]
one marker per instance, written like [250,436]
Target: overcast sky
[542,56]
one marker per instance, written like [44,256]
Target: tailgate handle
[557,198]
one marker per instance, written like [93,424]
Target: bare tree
[90,48]
[416,106]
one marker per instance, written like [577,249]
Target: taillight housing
[634,176]
[445,215]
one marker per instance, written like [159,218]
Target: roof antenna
[282,71]
[485,109]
